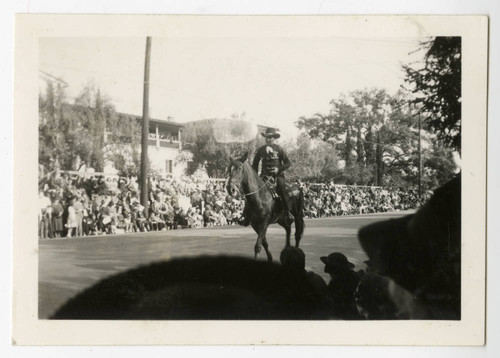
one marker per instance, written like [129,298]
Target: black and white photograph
[274,173]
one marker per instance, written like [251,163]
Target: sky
[273,81]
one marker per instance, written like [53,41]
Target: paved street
[67,266]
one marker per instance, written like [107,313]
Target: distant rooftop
[260,126]
[163,121]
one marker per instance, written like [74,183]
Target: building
[164,146]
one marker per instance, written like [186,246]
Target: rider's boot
[287,215]
[243,221]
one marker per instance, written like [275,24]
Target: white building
[164,145]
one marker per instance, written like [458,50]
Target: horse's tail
[299,217]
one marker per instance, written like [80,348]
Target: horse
[263,209]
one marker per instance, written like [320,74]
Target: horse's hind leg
[299,229]
[288,229]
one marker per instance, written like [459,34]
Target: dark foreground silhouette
[421,253]
[201,288]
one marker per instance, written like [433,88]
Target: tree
[209,154]
[377,138]
[52,143]
[437,87]
[352,125]
[311,159]
[76,132]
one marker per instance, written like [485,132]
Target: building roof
[208,120]
[154,120]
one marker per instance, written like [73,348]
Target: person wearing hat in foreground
[374,301]
[421,253]
[342,285]
[274,163]
[292,258]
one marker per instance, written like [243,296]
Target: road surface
[67,266]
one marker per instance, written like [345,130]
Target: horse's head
[235,175]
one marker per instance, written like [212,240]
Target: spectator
[78,206]
[180,219]
[71,222]
[43,220]
[373,299]
[342,285]
[57,221]
[421,254]
[292,258]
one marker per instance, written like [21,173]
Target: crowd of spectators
[412,272]
[79,205]
[74,205]
[327,199]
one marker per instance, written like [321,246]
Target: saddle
[293,190]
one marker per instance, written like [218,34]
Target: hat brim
[323,259]
[275,135]
[384,243]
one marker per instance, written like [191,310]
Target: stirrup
[288,216]
[243,221]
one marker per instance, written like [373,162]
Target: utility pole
[145,131]
[419,156]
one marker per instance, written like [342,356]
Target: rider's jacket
[272,156]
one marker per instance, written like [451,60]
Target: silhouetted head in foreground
[336,264]
[293,258]
[373,299]
[200,288]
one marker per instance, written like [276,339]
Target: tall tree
[437,87]
[352,125]
[207,153]
[311,159]
[385,132]
[76,132]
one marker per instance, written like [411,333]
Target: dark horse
[263,209]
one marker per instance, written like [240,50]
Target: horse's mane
[252,176]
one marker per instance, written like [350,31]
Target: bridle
[260,188]
[253,192]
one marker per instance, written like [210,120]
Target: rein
[256,191]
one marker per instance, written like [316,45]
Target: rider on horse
[274,163]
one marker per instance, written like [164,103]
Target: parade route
[67,266]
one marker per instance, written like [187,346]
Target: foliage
[87,131]
[311,159]
[207,153]
[376,136]
[437,87]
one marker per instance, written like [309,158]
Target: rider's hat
[271,132]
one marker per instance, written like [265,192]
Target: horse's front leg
[266,247]
[261,230]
